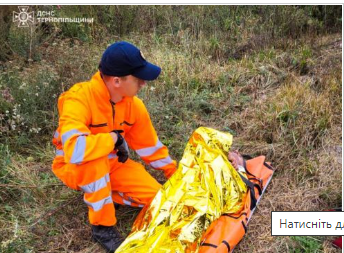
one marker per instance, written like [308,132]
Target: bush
[27,106]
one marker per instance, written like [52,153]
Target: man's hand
[236,159]
[121,146]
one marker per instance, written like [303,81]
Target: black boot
[108,237]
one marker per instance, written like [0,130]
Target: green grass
[307,244]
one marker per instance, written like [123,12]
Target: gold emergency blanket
[204,187]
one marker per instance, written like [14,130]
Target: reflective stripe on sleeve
[69,134]
[96,206]
[161,163]
[97,185]
[79,150]
[150,150]
[56,135]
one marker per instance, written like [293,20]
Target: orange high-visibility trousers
[106,180]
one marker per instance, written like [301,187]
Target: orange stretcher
[227,231]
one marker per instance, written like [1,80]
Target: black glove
[121,146]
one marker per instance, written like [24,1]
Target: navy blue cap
[123,58]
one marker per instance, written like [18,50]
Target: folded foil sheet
[204,187]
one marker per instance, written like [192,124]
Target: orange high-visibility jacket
[87,116]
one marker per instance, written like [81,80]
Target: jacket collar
[99,87]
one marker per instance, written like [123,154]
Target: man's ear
[116,81]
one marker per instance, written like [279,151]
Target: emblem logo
[23,17]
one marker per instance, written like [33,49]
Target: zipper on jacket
[113,113]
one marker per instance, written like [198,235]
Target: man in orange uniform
[98,120]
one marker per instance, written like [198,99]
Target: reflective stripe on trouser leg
[122,199]
[94,180]
[99,202]
[132,179]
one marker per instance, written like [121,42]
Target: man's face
[130,85]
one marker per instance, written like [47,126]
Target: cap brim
[148,72]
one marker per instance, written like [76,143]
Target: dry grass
[306,153]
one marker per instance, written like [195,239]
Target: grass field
[281,98]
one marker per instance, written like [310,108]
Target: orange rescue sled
[227,231]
